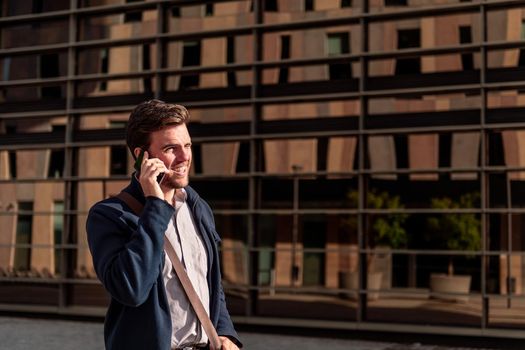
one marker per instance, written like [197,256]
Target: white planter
[382,262]
[350,280]
[443,283]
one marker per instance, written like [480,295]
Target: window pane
[24,228]
[58,229]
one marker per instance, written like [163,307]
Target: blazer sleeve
[127,257]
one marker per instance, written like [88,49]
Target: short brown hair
[150,116]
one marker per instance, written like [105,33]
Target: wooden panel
[282,156]
[43,258]
[423,153]
[382,154]
[8,203]
[465,154]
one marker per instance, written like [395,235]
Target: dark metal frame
[257,130]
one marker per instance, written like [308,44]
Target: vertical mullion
[483,174]
[509,241]
[362,265]
[254,182]
[161,50]
[69,206]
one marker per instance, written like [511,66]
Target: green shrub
[386,229]
[454,231]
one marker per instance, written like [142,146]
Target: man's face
[172,145]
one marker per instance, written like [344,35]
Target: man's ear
[136,152]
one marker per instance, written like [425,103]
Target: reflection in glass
[24,230]
[233,232]
[53,32]
[219,193]
[58,233]
[327,193]
[276,193]
[308,110]
[507,314]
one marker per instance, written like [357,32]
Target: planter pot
[381,261]
[443,283]
[350,280]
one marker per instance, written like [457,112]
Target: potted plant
[453,231]
[386,232]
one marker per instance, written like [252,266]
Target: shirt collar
[180,197]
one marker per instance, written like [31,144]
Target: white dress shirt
[187,242]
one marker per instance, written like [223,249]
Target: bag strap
[215,342]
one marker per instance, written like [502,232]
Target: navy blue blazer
[128,256]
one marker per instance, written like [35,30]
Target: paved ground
[18,333]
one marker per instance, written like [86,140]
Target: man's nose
[183,154]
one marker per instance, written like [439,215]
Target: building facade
[365,159]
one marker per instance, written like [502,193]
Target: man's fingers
[227,344]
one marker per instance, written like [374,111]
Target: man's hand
[149,171]
[227,344]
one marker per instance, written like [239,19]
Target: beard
[173,181]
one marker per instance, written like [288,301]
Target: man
[149,309]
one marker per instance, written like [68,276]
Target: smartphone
[138,164]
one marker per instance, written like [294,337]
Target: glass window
[408,38]
[318,193]
[56,163]
[346,3]
[134,16]
[230,58]
[233,230]
[229,14]
[58,230]
[308,112]
[276,193]
[175,11]
[308,5]
[191,57]
[339,44]
[223,115]
[314,233]
[114,60]
[290,156]
[46,66]
[266,243]
[24,232]
[104,67]
[423,111]
[465,37]
[270,5]
[12,164]
[396,2]
[208,10]
[284,72]
[37,31]
[499,316]
[35,163]
[219,194]
[15,8]
[119,154]
[234,158]
[341,155]
[49,68]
